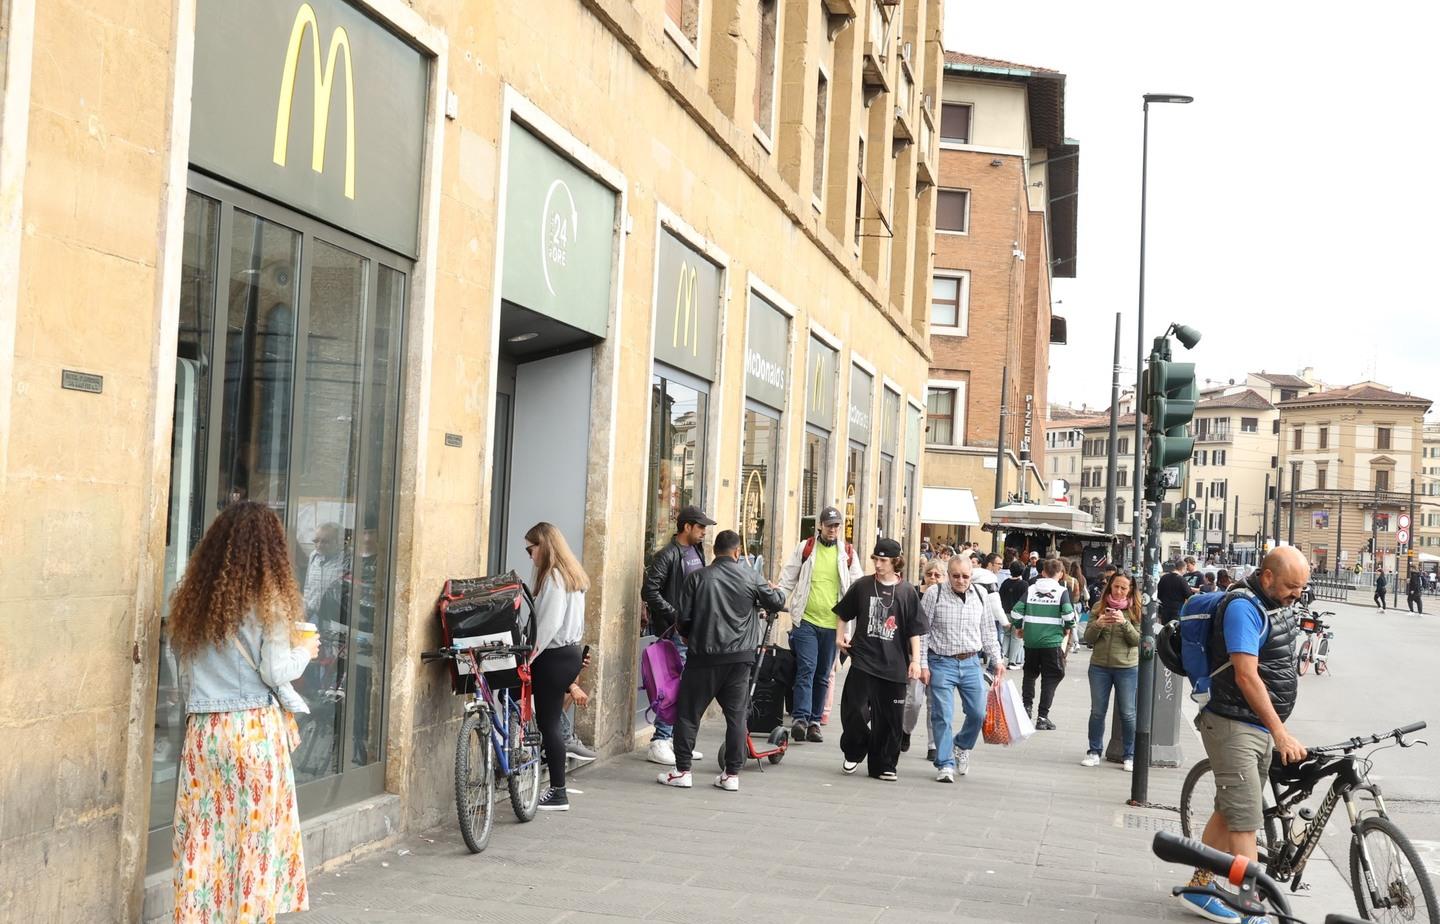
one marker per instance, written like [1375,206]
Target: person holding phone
[1114,632]
[560,585]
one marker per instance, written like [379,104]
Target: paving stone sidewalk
[1028,836]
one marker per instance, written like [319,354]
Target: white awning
[948,507]
[1426,557]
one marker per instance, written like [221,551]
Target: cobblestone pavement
[1028,836]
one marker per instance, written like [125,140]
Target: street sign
[1403,536]
[1404,522]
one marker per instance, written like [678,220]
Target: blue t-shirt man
[1246,631]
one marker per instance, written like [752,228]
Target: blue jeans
[664,732]
[1123,679]
[947,675]
[814,650]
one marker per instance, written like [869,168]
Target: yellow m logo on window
[685,324]
[305,21]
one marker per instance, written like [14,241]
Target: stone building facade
[573,260]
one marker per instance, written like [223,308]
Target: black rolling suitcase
[773,683]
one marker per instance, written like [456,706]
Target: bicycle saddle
[1308,772]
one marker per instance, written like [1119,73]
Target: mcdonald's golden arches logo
[685,322]
[306,22]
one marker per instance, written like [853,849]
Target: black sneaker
[904,741]
[1044,724]
[814,735]
[555,800]
[930,754]
[797,733]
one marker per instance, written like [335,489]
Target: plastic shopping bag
[995,730]
[1016,718]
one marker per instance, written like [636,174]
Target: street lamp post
[1136,514]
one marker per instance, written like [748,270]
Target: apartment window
[1321,471]
[1275,425]
[955,122]
[859,191]
[1382,437]
[952,211]
[1299,438]
[1199,489]
[941,406]
[1122,446]
[1274,461]
[1249,424]
[1217,489]
[822,117]
[1382,479]
[950,303]
[1324,438]
[1122,478]
[1201,457]
[765,68]
[683,21]
[1217,457]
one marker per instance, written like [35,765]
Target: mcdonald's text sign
[316,105]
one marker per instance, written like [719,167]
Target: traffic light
[1171,394]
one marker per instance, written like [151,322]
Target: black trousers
[1415,603]
[1380,597]
[1049,666]
[700,684]
[872,718]
[550,676]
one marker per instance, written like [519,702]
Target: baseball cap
[693,514]
[829,515]
[886,548]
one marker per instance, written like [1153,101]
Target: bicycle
[1316,647]
[499,738]
[1379,850]
[1255,888]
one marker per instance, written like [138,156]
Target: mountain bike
[1316,647]
[1256,892]
[499,739]
[1386,874]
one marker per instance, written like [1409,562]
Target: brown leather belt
[959,657]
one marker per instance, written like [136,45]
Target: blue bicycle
[499,739]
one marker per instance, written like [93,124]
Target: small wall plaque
[454,440]
[82,381]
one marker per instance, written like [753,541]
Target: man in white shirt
[961,620]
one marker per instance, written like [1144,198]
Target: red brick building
[1005,228]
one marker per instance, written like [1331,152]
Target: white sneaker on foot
[1091,760]
[945,775]
[661,751]
[1130,765]
[962,762]
[849,766]
[727,782]
[675,778]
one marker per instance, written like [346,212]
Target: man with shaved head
[1252,693]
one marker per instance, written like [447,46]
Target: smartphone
[585,653]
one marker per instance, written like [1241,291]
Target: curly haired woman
[237,848]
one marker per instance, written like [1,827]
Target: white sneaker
[696,755]
[945,775]
[727,782]
[1091,760]
[962,762]
[661,752]
[1130,766]
[849,766]
[675,778]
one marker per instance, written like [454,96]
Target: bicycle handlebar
[1360,741]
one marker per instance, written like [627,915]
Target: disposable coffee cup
[304,631]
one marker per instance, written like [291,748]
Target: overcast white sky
[1292,206]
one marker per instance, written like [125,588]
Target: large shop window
[820,366]
[679,417]
[889,447]
[767,352]
[862,393]
[287,392]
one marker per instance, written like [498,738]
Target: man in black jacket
[664,581]
[718,620]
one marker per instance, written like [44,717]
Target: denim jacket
[218,678]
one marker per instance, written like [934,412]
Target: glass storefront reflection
[759,459]
[677,457]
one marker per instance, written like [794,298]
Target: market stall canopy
[948,507]
[1429,559]
[1044,518]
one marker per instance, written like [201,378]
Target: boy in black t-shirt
[885,653]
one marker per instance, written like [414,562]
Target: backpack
[810,547]
[1184,643]
[660,668]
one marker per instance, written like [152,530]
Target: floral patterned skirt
[237,845]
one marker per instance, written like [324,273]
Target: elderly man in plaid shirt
[962,624]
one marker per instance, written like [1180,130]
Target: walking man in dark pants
[1044,621]
[720,625]
[1413,594]
[1380,588]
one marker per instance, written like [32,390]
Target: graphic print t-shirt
[886,618]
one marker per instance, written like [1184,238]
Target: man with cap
[664,581]
[885,654]
[817,575]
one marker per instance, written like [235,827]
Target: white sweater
[559,615]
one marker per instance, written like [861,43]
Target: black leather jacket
[664,580]
[717,611]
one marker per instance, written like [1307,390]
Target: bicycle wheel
[1401,880]
[475,780]
[1197,804]
[1302,661]
[1322,659]
[524,778]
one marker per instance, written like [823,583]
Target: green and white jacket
[1045,615]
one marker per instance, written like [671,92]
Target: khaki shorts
[1240,759]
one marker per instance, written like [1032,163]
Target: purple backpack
[660,668]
